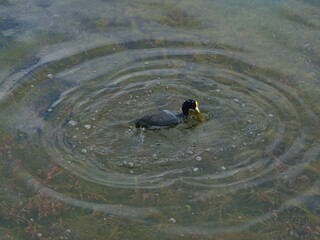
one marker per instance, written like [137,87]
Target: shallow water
[75,75]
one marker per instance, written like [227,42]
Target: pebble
[196,169]
[172,220]
[236,100]
[87,126]
[84,150]
[223,168]
[130,164]
[50,76]
[270,115]
[198,158]
[72,123]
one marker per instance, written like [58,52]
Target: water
[75,75]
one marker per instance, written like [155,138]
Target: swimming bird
[167,118]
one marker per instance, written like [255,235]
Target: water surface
[75,75]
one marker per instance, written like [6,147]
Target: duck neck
[185,110]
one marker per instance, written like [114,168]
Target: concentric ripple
[82,103]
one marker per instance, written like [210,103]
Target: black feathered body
[161,119]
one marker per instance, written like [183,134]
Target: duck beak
[197,109]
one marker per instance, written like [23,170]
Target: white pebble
[236,100]
[196,169]
[172,220]
[198,158]
[223,168]
[72,123]
[87,126]
[270,115]
[84,150]
[50,76]
[130,164]
[190,152]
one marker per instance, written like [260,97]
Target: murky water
[76,75]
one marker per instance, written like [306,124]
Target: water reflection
[69,132]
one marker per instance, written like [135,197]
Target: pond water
[76,74]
